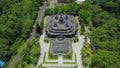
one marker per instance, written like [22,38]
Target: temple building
[60,27]
[60,46]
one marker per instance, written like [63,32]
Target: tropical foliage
[16,20]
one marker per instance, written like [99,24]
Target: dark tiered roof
[60,27]
[61,24]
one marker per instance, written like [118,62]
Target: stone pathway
[60,59]
[44,48]
[77,49]
[58,65]
[77,21]
[41,13]
[52,3]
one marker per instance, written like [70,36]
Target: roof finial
[56,17]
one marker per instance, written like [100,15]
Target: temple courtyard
[58,48]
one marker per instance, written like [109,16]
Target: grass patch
[41,66]
[53,57]
[44,62]
[71,62]
[67,57]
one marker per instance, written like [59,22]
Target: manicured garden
[68,57]
[50,58]
[71,59]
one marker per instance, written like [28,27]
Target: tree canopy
[16,20]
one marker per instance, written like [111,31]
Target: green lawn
[44,62]
[71,62]
[67,57]
[53,57]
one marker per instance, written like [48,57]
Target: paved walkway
[56,65]
[77,49]
[44,48]
[60,59]
[52,3]
[78,25]
[41,13]
[78,45]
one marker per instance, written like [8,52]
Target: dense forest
[102,18]
[106,35]
[30,54]
[16,20]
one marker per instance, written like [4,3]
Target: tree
[16,21]
[82,28]
[86,15]
[105,59]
